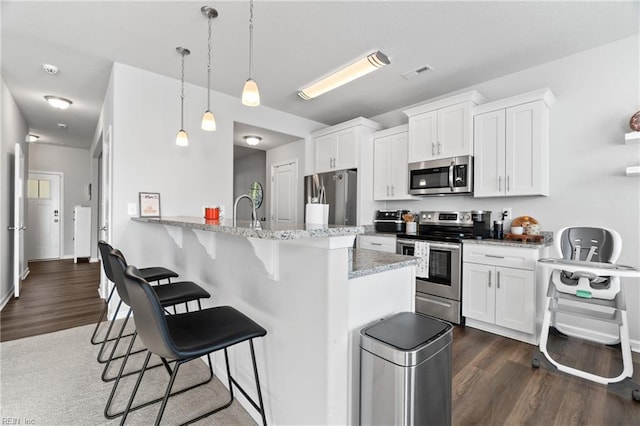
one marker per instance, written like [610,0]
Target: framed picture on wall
[149,204]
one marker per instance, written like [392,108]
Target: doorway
[44,215]
[284,189]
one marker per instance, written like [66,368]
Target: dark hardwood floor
[57,295]
[493,381]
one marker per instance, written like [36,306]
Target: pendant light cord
[182,95]
[209,68]
[251,39]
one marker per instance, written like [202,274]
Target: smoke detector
[50,69]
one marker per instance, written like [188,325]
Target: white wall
[294,151]
[146,118]
[246,170]
[13,129]
[74,163]
[596,92]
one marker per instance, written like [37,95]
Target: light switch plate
[132,209]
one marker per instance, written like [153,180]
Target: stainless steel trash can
[405,371]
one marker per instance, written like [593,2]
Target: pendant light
[250,94]
[182,139]
[208,120]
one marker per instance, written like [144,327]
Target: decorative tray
[524,237]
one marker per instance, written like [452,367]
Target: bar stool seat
[157,273]
[193,339]
[180,292]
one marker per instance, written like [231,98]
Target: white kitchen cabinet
[500,291]
[340,147]
[390,167]
[442,128]
[337,151]
[511,146]
[378,242]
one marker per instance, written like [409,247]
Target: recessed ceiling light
[58,102]
[50,69]
[62,126]
[31,137]
[252,140]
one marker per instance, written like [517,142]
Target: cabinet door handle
[433,148]
[392,194]
[508,183]
[387,190]
[499,183]
[489,279]
[376,244]
[438,147]
[498,279]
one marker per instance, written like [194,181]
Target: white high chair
[588,279]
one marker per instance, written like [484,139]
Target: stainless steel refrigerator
[340,192]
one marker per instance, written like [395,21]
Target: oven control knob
[466,217]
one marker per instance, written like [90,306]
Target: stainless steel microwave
[442,176]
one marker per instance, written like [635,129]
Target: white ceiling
[295,44]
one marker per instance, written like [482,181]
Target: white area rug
[54,379]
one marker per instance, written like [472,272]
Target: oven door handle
[452,247]
[451,175]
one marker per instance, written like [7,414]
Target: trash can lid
[407,330]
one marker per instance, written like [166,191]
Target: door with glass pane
[44,216]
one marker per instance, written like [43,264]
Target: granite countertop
[546,242]
[268,230]
[366,262]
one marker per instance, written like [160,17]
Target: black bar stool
[209,330]
[169,295]
[154,273]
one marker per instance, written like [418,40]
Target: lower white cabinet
[501,296]
[377,242]
[500,290]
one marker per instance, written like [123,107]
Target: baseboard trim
[6,300]
[25,273]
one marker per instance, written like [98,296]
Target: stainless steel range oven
[440,294]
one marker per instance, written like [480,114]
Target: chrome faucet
[254,216]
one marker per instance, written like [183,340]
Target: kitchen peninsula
[308,287]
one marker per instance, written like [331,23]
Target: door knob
[55,220]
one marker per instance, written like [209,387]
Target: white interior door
[18,220]
[284,189]
[45,217]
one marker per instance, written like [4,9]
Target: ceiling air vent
[414,73]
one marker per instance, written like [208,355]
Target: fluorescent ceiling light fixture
[252,140]
[32,138]
[58,102]
[347,74]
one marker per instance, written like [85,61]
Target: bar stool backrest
[118,264]
[105,248]
[148,315]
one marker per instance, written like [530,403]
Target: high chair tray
[597,268]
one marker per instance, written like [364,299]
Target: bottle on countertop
[498,232]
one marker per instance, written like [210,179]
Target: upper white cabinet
[442,128]
[511,146]
[390,181]
[338,147]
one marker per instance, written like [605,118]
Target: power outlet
[507,210]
